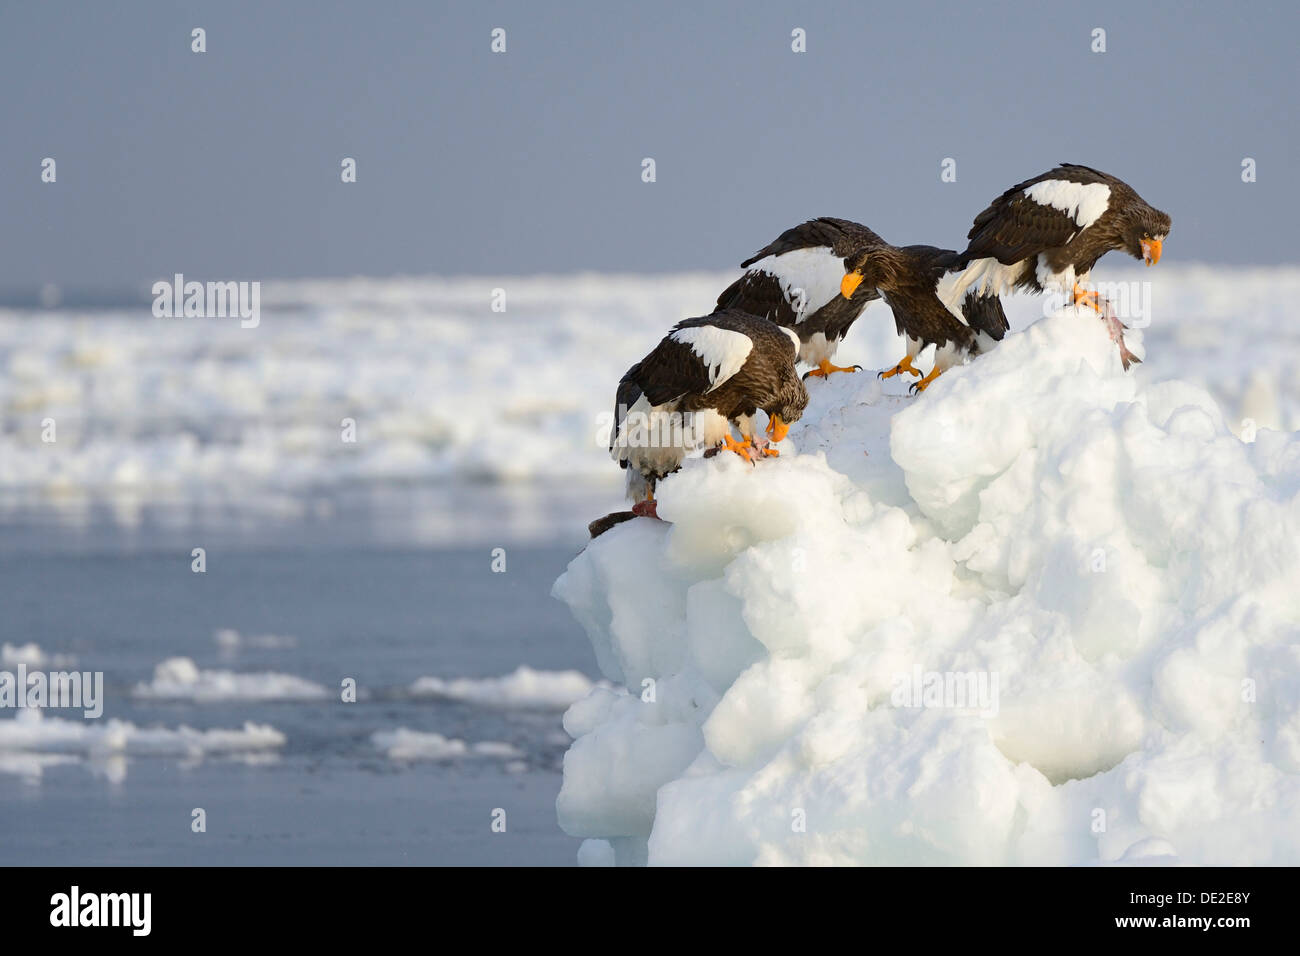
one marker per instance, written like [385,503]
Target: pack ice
[1045,613]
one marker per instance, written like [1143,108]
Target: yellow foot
[826,368]
[1091,299]
[903,366]
[924,383]
[739,448]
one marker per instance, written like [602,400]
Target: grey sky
[226,164]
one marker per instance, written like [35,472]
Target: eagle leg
[920,386]
[904,366]
[648,508]
[741,449]
[1092,300]
[825,369]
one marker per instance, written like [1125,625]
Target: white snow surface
[179,678]
[1100,549]
[212,417]
[523,689]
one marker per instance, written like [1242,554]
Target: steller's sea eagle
[1046,233]
[908,278]
[706,374]
[795,282]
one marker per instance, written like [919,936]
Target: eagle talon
[825,369]
[917,387]
[741,449]
[904,366]
[1091,299]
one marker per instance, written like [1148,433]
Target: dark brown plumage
[908,279]
[1047,233]
[1017,228]
[709,372]
[794,282]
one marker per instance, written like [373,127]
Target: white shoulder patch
[1083,202]
[721,350]
[809,277]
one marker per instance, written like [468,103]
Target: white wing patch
[721,350]
[983,276]
[1083,202]
[809,277]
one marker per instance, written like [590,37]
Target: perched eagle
[1047,233]
[908,279]
[706,374]
[795,282]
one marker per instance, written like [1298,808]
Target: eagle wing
[1015,227]
[983,313]
[695,358]
[841,236]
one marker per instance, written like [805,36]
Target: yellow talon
[904,366]
[1091,299]
[826,368]
[739,448]
[924,383]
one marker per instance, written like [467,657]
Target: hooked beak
[1151,251]
[776,429]
[849,284]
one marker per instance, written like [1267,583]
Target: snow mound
[179,678]
[1044,613]
[525,688]
[406,745]
[32,741]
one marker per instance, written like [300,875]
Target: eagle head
[1146,234]
[867,268]
[785,408]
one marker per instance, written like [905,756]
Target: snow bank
[406,745]
[1044,613]
[179,678]
[32,741]
[525,688]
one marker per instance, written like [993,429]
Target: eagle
[1047,233]
[795,282]
[908,279]
[706,374]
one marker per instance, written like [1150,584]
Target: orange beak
[777,429]
[849,284]
[1151,251]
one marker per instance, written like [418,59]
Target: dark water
[381,613]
